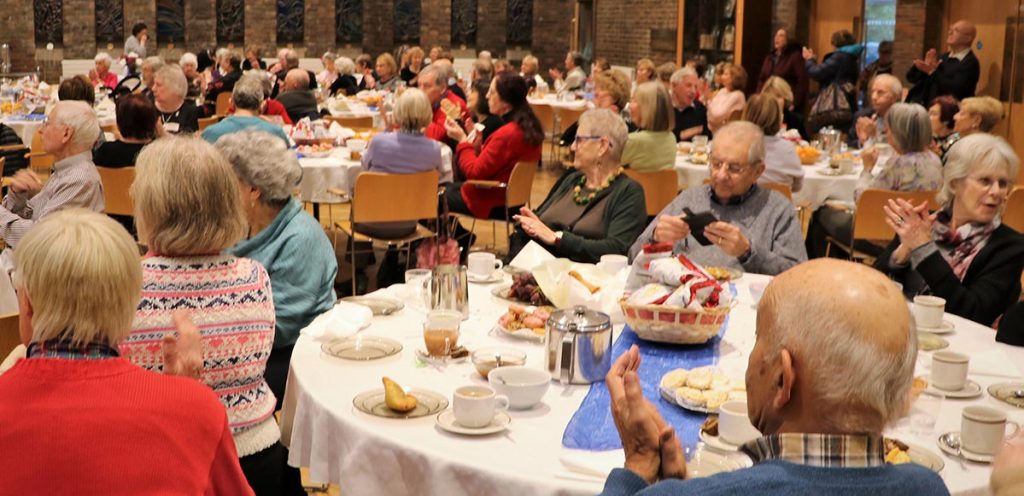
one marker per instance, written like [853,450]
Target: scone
[674,379]
[721,382]
[738,395]
[714,399]
[699,378]
[690,396]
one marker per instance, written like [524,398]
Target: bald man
[869,122]
[955,73]
[823,381]
[296,97]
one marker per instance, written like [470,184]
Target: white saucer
[716,442]
[495,276]
[432,360]
[946,328]
[446,421]
[969,456]
[970,390]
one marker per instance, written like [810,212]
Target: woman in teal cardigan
[289,243]
[594,210]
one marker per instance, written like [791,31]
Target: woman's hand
[869,157]
[555,74]
[454,130]
[533,227]
[808,53]
[912,224]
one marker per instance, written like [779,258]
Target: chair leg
[352,253]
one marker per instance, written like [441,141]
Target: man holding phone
[731,222]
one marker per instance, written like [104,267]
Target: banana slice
[396,398]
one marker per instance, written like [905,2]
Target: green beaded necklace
[581,199]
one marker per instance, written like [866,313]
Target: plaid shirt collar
[819,450]
[63,348]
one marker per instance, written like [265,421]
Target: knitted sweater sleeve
[782,247]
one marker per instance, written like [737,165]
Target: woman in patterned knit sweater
[188,212]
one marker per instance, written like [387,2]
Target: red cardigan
[497,158]
[435,130]
[109,427]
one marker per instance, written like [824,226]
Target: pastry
[699,378]
[396,398]
[674,379]
[690,396]
[896,452]
[714,399]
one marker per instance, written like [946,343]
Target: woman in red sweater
[518,140]
[76,417]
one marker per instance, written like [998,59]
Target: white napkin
[994,363]
[345,319]
[531,256]
[566,291]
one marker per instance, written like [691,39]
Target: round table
[339,171]
[370,455]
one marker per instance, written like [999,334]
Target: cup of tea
[483,264]
[928,311]
[983,429]
[734,425]
[949,370]
[441,332]
[474,406]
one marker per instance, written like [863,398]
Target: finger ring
[899,221]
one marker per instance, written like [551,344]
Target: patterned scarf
[960,246]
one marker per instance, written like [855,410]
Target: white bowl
[524,386]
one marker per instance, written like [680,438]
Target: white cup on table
[483,264]
[949,370]
[983,429]
[928,311]
[612,264]
[474,406]
[734,425]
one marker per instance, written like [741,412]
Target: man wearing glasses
[756,230]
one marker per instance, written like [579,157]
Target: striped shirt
[74,182]
[819,450]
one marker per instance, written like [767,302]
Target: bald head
[296,79]
[961,35]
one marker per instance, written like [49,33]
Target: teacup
[983,429]
[612,264]
[474,406]
[483,264]
[949,370]
[441,332]
[524,386]
[928,311]
[734,425]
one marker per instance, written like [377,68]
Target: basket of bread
[675,300]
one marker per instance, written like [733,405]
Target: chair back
[520,184]
[206,122]
[736,115]
[1013,214]
[223,102]
[660,188]
[546,115]
[869,219]
[568,117]
[380,197]
[116,184]
[38,159]
[9,334]
[781,188]
[109,128]
[361,122]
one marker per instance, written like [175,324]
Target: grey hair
[440,75]
[605,123]
[909,126]
[220,53]
[748,130]
[892,83]
[328,55]
[413,111]
[291,59]
[174,78]
[188,58]
[973,152]
[155,62]
[262,160]
[345,66]
[104,58]
[81,118]
[248,93]
[677,77]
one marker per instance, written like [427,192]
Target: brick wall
[16,24]
[624,29]
[911,17]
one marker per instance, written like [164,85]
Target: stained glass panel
[520,22]
[407,21]
[464,22]
[230,21]
[109,21]
[291,21]
[170,21]
[49,20]
[348,21]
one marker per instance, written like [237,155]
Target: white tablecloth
[339,171]
[370,455]
[556,103]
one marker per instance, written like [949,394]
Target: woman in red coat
[786,61]
[518,140]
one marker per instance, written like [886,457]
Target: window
[49,20]
[879,25]
[291,21]
[230,21]
[348,21]
[170,21]
[464,22]
[109,21]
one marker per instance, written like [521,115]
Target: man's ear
[785,381]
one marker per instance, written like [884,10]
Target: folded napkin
[345,319]
[531,256]
[994,363]
[567,290]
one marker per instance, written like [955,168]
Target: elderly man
[288,61]
[869,122]
[691,115]
[296,96]
[955,73]
[755,229]
[446,67]
[177,115]
[576,77]
[813,339]
[446,104]
[149,67]
[248,99]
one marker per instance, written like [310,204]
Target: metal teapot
[578,345]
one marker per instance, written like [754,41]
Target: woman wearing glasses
[594,210]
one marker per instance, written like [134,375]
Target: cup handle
[426,293]
[1016,428]
[501,402]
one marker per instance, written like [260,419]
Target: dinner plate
[946,328]
[361,348]
[502,292]
[927,341]
[924,457]
[671,398]
[495,276]
[706,463]
[523,334]
[1003,391]
[500,422]
[427,403]
[379,306]
[970,390]
[958,451]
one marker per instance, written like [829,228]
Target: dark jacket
[346,84]
[952,77]
[15,159]
[692,116]
[789,66]
[224,84]
[624,219]
[1011,327]
[299,104]
[116,154]
[990,287]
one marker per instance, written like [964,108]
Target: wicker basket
[669,324]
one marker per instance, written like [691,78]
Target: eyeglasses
[732,168]
[585,137]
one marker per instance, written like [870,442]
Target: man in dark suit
[955,73]
[691,116]
[296,97]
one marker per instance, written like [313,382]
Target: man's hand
[866,129]
[183,355]
[727,237]
[929,64]
[640,435]
[686,134]
[869,157]
[670,229]
[555,73]
[27,182]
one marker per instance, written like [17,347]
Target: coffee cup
[483,264]
[983,429]
[474,406]
[441,332]
[928,311]
[612,264]
[734,425]
[949,370]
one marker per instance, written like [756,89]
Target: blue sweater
[776,477]
[236,123]
[300,260]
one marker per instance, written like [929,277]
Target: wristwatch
[558,238]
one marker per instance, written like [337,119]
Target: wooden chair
[9,334]
[517,194]
[38,160]
[1013,214]
[564,118]
[869,219]
[660,188]
[206,122]
[736,115]
[784,189]
[362,122]
[379,197]
[110,128]
[116,185]
[223,103]
[546,115]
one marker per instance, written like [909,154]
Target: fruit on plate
[525,289]
[519,317]
[808,154]
[396,398]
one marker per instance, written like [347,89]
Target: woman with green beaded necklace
[594,210]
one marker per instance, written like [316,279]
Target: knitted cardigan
[230,301]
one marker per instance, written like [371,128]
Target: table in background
[339,171]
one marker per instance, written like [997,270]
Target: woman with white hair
[327,76]
[190,66]
[593,211]
[178,115]
[962,252]
[101,75]
[103,424]
[345,83]
[149,67]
